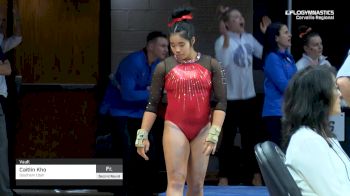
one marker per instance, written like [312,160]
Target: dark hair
[154,35]
[270,44]
[308,101]
[183,26]
[305,34]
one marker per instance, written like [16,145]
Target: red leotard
[188,88]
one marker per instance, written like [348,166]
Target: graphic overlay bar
[69,172]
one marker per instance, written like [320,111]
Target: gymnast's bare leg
[176,154]
[197,164]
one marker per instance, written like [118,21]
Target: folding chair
[275,173]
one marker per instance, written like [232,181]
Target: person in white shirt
[6,43]
[314,157]
[343,80]
[235,49]
[313,49]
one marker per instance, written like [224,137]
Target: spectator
[314,156]
[125,100]
[279,67]
[343,80]
[6,125]
[235,49]
[313,48]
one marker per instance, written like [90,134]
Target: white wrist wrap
[141,135]
[213,134]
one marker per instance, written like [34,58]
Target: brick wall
[131,20]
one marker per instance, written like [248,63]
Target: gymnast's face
[182,48]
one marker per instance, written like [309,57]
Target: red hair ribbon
[184,17]
[301,35]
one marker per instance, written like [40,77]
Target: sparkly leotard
[189,87]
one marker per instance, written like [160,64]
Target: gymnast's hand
[142,143]
[209,148]
[212,140]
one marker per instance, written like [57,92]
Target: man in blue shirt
[125,101]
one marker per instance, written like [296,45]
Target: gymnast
[192,127]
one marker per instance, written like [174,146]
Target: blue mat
[233,191]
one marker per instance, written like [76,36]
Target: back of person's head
[305,34]
[270,43]
[181,23]
[152,36]
[308,101]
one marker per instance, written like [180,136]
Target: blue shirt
[127,94]
[279,68]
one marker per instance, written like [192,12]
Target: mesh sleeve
[156,90]
[219,85]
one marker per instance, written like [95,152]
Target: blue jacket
[279,67]
[127,93]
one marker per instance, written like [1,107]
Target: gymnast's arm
[149,116]
[219,87]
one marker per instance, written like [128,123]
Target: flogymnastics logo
[311,14]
